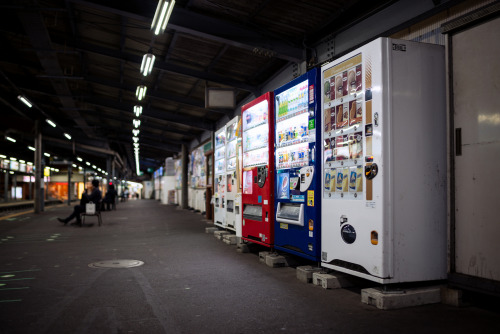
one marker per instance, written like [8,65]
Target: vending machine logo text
[399,47]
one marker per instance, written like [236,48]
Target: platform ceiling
[78,61]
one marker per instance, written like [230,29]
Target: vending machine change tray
[253,212]
[290,213]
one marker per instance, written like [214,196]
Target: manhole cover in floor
[116,264]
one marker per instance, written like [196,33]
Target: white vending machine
[220,178]
[233,207]
[384,162]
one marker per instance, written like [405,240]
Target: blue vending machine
[298,167]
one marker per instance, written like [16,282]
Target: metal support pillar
[6,187]
[70,170]
[30,189]
[113,172]
[109,163]
[184,161]
[14,186]
[38,193]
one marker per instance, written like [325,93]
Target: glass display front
[292,127]
[220,151]
[343,129]
[256,135]
[197,168]
[231,147]
[219,166]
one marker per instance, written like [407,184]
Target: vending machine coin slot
[343,219]
[374,237]
[306,177]
[261,176]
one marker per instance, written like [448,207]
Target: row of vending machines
[345,165]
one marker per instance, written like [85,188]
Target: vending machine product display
[297,164]
[220,178]
[384,162]
[233,207]
[258,170]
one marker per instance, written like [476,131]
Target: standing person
[110,197]
[94,197]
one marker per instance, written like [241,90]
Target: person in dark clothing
[110,197]
[94,197]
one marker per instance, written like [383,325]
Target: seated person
[109,198]
[95,197]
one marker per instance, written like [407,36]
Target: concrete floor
[190,283]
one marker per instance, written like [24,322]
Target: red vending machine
[258,170]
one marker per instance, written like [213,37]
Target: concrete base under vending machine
[305,273]
[330,281]
[396,299]
[211,230]
[230,239]
[242,248]
[219,234]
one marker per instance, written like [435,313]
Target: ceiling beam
[155,94]
[161,65]
[156,113]
[186,21]
[39,37]
[147,122]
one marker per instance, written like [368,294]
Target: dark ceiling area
[78,62]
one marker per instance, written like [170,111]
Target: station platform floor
[190,282]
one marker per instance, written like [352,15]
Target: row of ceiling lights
[31,148]
[2,156]
[29,104]
[160,20]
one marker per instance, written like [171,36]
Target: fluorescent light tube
[25,101]
[162,15]
[148,61]
[140,92]
[164,25]
[50,122]
[137,111]
[67,136]
[10,139]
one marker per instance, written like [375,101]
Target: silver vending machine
[384,162]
